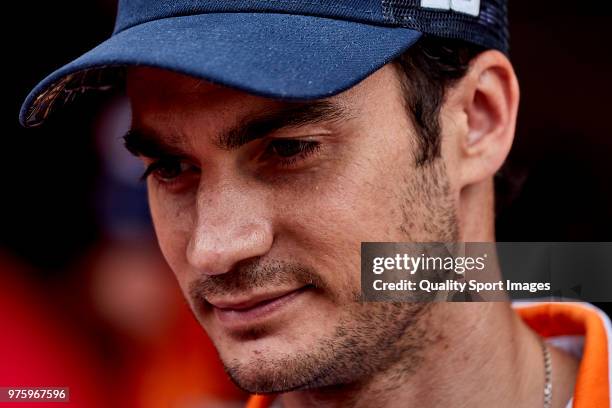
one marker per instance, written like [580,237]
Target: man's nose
[231,226]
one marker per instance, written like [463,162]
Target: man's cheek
[173,234]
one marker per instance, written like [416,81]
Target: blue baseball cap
[284,49]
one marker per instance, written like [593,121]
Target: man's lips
[237,313]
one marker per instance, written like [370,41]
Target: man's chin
[308,352]
[274,374]
[268,359]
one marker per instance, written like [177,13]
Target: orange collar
[551,320]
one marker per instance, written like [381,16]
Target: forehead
[160,92]
[155,91]
[146,82]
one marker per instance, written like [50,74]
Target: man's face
[260,208]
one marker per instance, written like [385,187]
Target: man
[279,135]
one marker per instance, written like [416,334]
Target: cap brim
[273,55]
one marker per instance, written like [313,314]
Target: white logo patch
[471,7]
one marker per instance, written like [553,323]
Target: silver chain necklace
[547,375]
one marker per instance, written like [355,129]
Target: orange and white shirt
[578,328]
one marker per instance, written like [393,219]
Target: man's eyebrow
[142,142]
[149,144]
[291,115]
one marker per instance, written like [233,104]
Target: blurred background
[87,300]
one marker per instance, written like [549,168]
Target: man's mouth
[237,313]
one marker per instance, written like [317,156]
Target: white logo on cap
[471,7]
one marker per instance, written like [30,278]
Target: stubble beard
[371,338]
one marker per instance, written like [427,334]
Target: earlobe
[490,103]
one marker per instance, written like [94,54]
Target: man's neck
[484,356]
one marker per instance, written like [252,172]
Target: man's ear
[486,101]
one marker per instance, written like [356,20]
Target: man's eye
[167,170]
[289,148]
[288,151]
